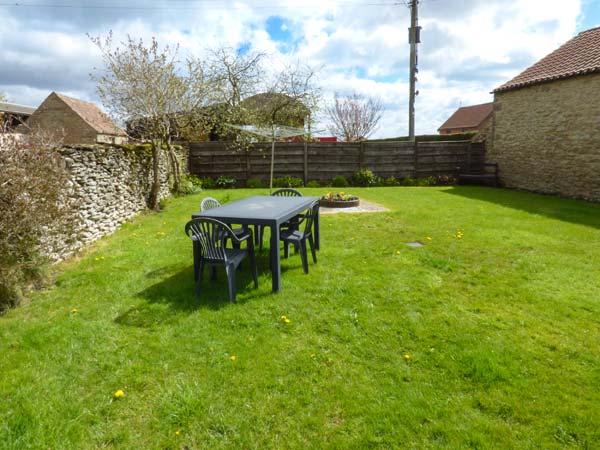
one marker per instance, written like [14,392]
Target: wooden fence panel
[322,161]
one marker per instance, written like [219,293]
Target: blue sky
[468,48]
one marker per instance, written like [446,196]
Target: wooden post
[416,159]
[361,155]
[305,161]
[248,167]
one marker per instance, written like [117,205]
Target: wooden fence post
[361,155]
[416,157]
[305,161]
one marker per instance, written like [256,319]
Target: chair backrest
[211,235]
[209,203]
[309,217]
[287,192]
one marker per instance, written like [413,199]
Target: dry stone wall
[546,137]
[109,185]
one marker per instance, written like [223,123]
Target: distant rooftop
[16,109]
[92,115]
[468,116]
[580,55]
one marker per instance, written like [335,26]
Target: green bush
[364,178]
[313,184]
[427,181]
[207,182]
[35,207]
[224,182]
[288,182]
[254,183]
[391,181]
[190,184]
[339,181]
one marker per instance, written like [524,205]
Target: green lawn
[489,340]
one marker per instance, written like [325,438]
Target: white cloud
[468,47]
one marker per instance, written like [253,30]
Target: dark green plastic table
[268,211]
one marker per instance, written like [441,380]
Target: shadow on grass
[567,210]
[176,293]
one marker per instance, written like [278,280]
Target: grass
[486,337]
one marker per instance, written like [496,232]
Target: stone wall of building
[109,185]
[69,128]
[546,137]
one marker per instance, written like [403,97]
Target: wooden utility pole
[414,33]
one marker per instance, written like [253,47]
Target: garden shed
[75,121]
[546,123]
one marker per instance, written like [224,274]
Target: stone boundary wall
[322,161]
[109,185]
[546,137]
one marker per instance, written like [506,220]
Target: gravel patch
[363,207]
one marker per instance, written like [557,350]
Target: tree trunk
[155,189]
[175,168]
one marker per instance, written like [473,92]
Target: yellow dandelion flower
[178,432]
[119,394]
[285,319]
[397,252]
[407,356]
[74,310]
[428,238]
[233,357]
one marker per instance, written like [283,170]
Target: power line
[217,5]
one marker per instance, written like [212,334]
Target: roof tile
[580,55]
[92,115]
[468,116]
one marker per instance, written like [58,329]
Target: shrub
[363,177]
[224,182]
[254,183]
[35,206]
[207,182]
[339,181]
[288,182]
[313,184]
[446,180]
[391,181]
[427,181]
[190,184]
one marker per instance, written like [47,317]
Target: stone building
[468,118]
[546,125]
[75,121]
[11,116]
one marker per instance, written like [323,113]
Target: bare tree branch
[354,117]
[148,84]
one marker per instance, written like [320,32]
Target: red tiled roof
[92,115]
[468,116]
[578,56]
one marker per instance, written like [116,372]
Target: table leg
[275,259]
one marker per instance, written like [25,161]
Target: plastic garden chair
[292,223]
[210,236]
[211,203]
[299,238]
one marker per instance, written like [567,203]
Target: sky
[468,47]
